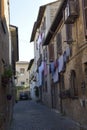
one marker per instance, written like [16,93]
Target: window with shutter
[69,33]
[73,84]
[85,15]
[51,52]
[59,43]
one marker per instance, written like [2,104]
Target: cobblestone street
[29,115]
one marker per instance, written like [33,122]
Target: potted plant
[6,76]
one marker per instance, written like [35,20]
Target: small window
[22,83]
[22,70]
[26,80]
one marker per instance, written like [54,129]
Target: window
[73,84]
[22,83]
[44,24]
[51,52]
[22,70]
[59,43]
[85,15]
[26,80]
[45,56]
[69,33]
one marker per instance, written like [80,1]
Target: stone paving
[29,115]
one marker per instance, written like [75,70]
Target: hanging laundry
[65,56]
[39,40]
[40,77]
[43,36]
[45,69]
[68,53]
[41,68]
[55,65]
[42,65]
[61,63]
[52,68]
[56,76]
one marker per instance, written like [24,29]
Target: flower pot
[9,96]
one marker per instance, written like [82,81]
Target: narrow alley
[29,115]
[43,57]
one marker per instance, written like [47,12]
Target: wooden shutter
[85,15]
[68,33]
[51,52]
[59,43]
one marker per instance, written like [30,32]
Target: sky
[23,14]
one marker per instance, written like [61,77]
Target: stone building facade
[22,73]
[6,80]
[45,17]
[32,81]
[64,49]
[4,61]
[22,78]
[69,41]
